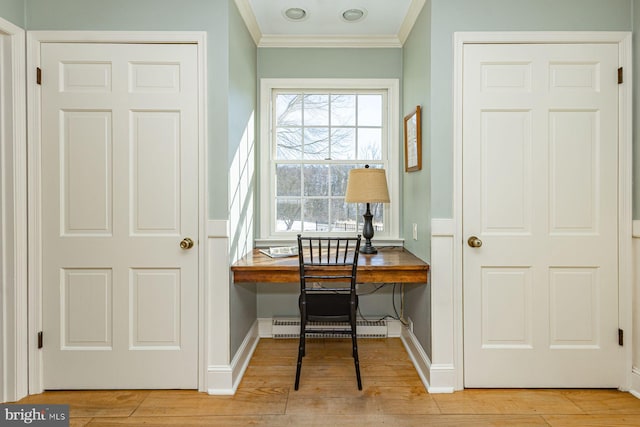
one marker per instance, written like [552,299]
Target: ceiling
[386,23]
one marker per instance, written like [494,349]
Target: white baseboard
[224,379]
[417,355]
[428,372]
[394,328]
[442,374]
[220,380]
[635,383]
[265,327]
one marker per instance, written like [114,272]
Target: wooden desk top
[389,265]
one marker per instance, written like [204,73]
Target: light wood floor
[392,395]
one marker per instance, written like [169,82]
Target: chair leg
[354,341]
[301,351]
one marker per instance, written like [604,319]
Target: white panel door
[540,175]
[119,193]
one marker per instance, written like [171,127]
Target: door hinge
[40,345]
[620,337]
[38,75]
[620,76]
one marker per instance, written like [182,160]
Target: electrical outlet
[415,231]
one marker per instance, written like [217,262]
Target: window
[312,133]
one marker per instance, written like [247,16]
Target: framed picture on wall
[413,141]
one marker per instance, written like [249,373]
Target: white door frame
[13,216]
[34,42]
[623,40]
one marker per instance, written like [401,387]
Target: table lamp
[367,186]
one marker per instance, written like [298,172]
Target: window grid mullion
[330,133]
[330,169]
[357,129]
[302,161]
[302,129]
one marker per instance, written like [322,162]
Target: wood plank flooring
[392,395]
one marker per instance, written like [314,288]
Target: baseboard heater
[290,328]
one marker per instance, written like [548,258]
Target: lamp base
[368,249]
[367,233]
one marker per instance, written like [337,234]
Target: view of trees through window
[319,137]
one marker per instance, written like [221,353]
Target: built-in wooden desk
[389,265]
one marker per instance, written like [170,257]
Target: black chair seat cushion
[328,307]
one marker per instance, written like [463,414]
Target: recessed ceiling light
[354,15]
[295,14]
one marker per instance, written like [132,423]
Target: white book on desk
[280,251]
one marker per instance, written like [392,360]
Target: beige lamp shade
[367,186]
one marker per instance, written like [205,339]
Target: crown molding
[341,41]
[328,41]
[410,19]
[246,12]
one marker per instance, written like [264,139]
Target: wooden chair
[328,267]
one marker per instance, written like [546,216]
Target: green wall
[329,63]
[162,15]
[416,84]
[636,116]
[449,16]
[416,207]
[13,11]
[242,107]
[281,300]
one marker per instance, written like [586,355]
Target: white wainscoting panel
[444,369]
[219,375]
[417,355]
[224,379]
[440,373]
[223,374]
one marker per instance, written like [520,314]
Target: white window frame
[268,235]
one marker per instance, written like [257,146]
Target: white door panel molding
[563,222]
[142,305]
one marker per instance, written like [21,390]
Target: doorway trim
[13,214]
[625,179]
[35,39]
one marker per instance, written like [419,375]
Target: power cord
[397,317]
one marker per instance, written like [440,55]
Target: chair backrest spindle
[337,257]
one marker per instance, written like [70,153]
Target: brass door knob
[186,243]
[474,242]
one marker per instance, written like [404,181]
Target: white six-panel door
[119,194]
[540,192]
